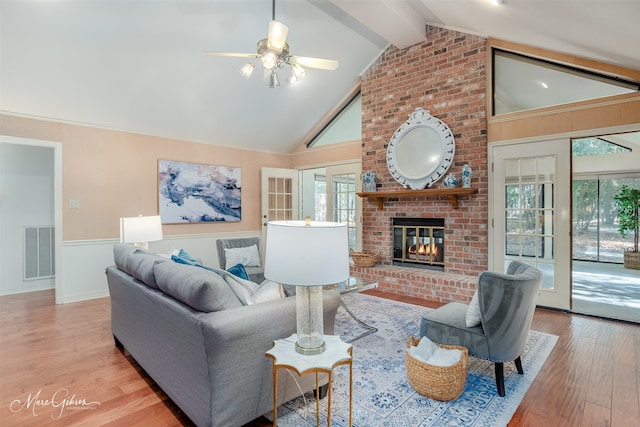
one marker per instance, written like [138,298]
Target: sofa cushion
[249,256]
[122,250]
[201,289]
[140,266]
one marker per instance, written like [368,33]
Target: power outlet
[74,204]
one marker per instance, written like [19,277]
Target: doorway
[57,209]
[602,286]
[530,213]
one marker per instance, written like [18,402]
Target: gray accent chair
[256,274]
[507,303]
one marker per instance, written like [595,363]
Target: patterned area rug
[382,395]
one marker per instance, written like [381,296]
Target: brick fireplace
[447,76]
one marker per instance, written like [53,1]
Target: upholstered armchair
[505,307]
[241,252]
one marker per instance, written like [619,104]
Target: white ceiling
[138,65]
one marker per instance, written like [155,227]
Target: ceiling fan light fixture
[274,81]
[247,70]
[277,36]
[297,73]
[269,60]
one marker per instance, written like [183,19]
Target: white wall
[85,261]
[26,199]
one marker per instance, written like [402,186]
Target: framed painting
[196,193]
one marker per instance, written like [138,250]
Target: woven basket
[437,382]
[632,260]
[365,259]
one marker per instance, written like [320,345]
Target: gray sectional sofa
[200,343]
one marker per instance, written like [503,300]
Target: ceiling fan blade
[322,64]
[277,36]
[235,55]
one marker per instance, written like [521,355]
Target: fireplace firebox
[418,242]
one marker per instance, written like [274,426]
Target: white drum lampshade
[140,230]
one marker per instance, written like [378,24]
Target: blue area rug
[382,395]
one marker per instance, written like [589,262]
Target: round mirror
[420,151]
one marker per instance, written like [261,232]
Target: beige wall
[114,174]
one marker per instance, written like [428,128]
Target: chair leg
[500,378]
[519,365]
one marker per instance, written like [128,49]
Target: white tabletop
[284,353]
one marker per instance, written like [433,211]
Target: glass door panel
[527,216]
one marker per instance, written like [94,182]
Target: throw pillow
[473,312]
[243,289]
[249,256]
[267,291]
[122,250]
[239,270]
[181,256]
[141,265]
[201,289]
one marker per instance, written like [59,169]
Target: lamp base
[310,330]
[310,351]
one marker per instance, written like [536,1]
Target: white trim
[571,134]
[552,111]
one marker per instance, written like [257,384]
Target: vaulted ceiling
[139,65]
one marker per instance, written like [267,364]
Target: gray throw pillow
[120,253]
[201,289]
[122,250]
[140,266]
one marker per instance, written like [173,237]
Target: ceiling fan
[273,52]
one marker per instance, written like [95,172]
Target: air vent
[39,257]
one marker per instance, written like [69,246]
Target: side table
[284,355]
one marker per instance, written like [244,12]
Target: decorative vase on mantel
[450,181]
[368,182]
[466,176]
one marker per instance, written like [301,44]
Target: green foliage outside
[595,146]
[628,202]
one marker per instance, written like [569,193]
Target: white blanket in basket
[429,352]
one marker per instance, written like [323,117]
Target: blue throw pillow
[239,270]
[183,257]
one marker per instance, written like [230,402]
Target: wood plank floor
[591,378]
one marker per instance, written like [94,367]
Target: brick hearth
[447,76]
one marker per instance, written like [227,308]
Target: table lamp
[140,230]
[309,255]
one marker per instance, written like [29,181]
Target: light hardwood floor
[591,378]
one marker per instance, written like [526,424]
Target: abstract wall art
[196,193]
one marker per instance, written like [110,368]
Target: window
[523,83]
[346,125]
[595,146]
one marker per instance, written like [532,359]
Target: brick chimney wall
[447,76]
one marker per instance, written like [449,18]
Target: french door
[279,197]
[531,193]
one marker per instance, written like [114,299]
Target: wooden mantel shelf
[451,193]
